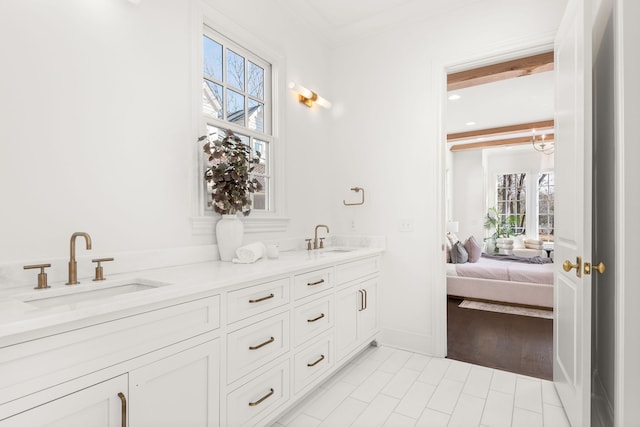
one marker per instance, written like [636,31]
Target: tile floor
[395,388]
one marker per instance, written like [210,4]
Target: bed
[509,282]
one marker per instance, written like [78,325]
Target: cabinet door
[179,390]
[368,316]
[346,325]
[95,406]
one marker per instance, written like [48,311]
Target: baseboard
[601,406]
[403,340]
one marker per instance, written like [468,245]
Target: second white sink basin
[95,293]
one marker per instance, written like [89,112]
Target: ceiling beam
[492,144]
[501,71]
[503,130]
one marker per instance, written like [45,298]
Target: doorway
[500,130]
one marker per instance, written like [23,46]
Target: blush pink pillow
[473,249]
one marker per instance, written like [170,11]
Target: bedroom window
[512,201]
[546,191]
[236,95]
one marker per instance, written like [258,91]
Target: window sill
[205,225]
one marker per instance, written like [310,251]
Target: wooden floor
[519,344]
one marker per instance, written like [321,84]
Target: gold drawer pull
[262,399]
[253,301]
[123,400]
[316,283]
[316,362]
[269,341]
[316,319]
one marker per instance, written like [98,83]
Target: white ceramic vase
[229,231]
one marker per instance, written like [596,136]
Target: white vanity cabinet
[178,390]
[97,406]
[154,368]
[238,355]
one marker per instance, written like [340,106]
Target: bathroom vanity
[204,344]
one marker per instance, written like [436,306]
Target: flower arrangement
[229,169]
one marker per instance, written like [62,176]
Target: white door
[572,302]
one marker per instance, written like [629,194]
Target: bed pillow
[518,241]
[459,254]
[474,250]
[448,250]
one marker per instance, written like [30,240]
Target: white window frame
[531,183]
[203,218]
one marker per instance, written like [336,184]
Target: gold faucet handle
[42,276]
[321,242]
[99,269]
[308,244]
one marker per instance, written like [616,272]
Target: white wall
[389,135]
[97,127]
[97,130]
[469,194]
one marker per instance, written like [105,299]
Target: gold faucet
[73,265]
[315,236]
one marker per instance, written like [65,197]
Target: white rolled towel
[250,253]
[505,251]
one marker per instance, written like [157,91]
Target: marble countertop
[28,314]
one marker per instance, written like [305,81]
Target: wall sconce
[308,97]
[542,145]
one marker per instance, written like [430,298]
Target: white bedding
[512,271]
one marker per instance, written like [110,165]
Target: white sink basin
[94,293]
[337,250]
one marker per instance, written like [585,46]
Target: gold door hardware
[316,362]
[361,300]
[567,266]
[269,341]
[42,276]
[357,190]
[600,267]
[262,399]
[123,400]
[99,269]
[316,319]
[253,301]
[319,282]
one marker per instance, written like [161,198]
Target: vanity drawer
[253,346]
[312,282]
[256,299]
[312,362]
[357,269]
[312,319]
[249,403]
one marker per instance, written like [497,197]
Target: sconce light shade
[308,97]
[453,226]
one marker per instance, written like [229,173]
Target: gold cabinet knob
[568,266]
